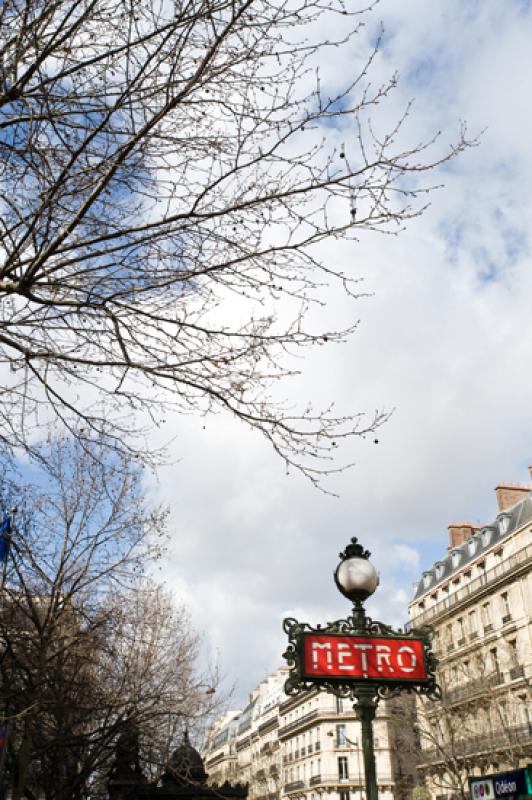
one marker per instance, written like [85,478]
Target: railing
[517,672]
[317,713]
[217,759]
[473,688]
[294,786]
[513,737]
[464,592]
[335,780]
[266,727]
[294,701]
[298,722]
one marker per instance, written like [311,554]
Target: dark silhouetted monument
[184,777]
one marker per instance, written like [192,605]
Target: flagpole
[4,560]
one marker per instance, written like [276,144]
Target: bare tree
[478,723]
[167,175]
[87,644]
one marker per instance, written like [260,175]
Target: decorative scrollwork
[357,625]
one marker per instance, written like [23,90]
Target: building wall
[478,599]
[307,747]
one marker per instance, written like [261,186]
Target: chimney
[508,494]
[460,532]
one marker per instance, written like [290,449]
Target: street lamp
[359,658]
[356,578]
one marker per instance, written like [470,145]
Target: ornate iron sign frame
[349,687]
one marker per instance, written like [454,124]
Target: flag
[5,537]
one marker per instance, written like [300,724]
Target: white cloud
[445,340]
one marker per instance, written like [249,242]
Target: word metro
[350,657]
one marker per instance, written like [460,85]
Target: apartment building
[478,598]
[306,747]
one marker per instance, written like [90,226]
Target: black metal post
[365,708]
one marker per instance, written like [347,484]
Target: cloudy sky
[445,340]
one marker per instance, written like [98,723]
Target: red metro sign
[336,657]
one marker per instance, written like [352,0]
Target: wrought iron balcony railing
[506,566]
[512,738]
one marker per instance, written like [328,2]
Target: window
[472,622]
[339,705]
[449,636]
[486,617]
[344,794]
[505,604]
[343,769]
[461,631]
[512,646]
[340,736]
[494,660]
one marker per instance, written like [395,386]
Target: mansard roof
[482,540]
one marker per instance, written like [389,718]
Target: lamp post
[356,578]
[360,658]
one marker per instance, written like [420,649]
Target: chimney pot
[460,532]
[508,494]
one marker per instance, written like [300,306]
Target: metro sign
[340,657]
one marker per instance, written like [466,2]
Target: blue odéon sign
[502,785]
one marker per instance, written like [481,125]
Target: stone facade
[307,747]
[478,598]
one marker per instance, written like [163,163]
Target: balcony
[498,741]
[294,786]
[473,689]
[511,564]
[461,642]
[507,618]
[335,780]
[324,713]
[488,628]
[517,672]
[298,723]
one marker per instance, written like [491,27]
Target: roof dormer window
[440,569]
[456,557]
[427,576]
[503,521]
[486,535]
[472,545]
